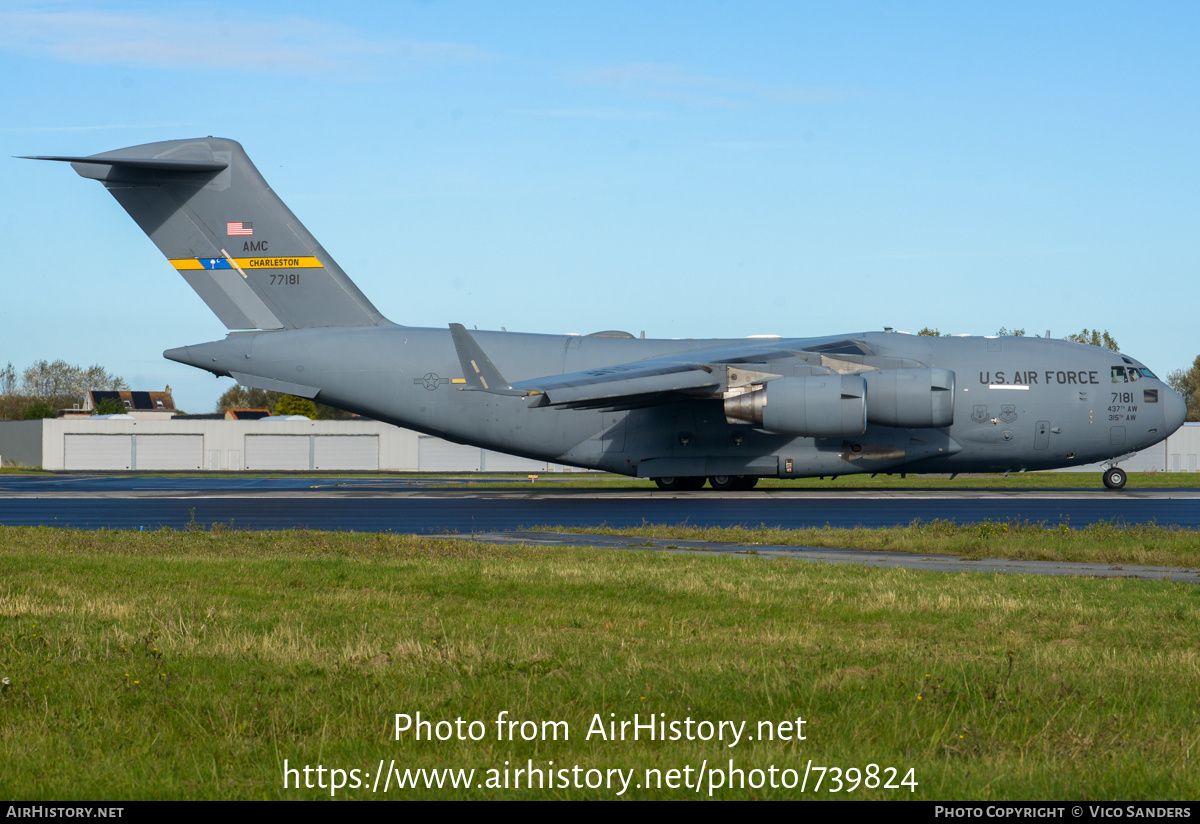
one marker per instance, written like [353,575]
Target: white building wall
[172,444]
[224,444]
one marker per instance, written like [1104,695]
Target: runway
[426,505]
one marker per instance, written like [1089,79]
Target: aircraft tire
[1115,478]
[679,484]
[722,483]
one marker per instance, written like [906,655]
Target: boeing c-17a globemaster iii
[678,411]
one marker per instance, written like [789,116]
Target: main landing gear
[720,483]
[1115,478]
[669,484]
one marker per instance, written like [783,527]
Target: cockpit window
[1122,374]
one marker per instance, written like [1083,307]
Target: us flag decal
[239,228]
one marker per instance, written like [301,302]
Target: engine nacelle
[820,406]
[913,398]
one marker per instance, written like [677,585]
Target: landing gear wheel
[722,483]
[672,484]
[1115,478]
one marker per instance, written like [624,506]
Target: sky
[686,169]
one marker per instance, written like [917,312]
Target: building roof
[246,414]
[134,400]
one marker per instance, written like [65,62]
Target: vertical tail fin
[207,208]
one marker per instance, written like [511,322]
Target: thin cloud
[672,82]
[208,39]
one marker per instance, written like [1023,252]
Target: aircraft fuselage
[1018,403]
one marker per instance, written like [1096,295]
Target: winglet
[478,369]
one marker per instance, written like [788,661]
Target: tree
[929,333]
[1013,333]
[110,406]
[1187,383]
[38,409]
[66,383]
[1095,338]
[243,397]
[291,405]
[50,385]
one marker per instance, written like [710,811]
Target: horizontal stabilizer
[148,163]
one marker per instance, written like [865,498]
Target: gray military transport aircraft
[677,411]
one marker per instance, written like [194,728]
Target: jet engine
[913,398]
[820,406]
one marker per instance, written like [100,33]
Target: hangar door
[437,455]
[170,451]
[278,452]
[503,462]
[346,452]
[98,452]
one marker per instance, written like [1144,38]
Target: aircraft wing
[623,381]
[656,380]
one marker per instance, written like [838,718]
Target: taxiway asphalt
[448,506]
[428,505]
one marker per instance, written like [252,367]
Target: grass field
[193,664]
[1100,543]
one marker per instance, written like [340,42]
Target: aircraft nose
[1174,410]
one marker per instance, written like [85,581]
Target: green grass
[1100,543]
[192,664]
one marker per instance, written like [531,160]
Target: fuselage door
[1041,435]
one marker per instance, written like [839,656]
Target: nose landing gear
[1115,478]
